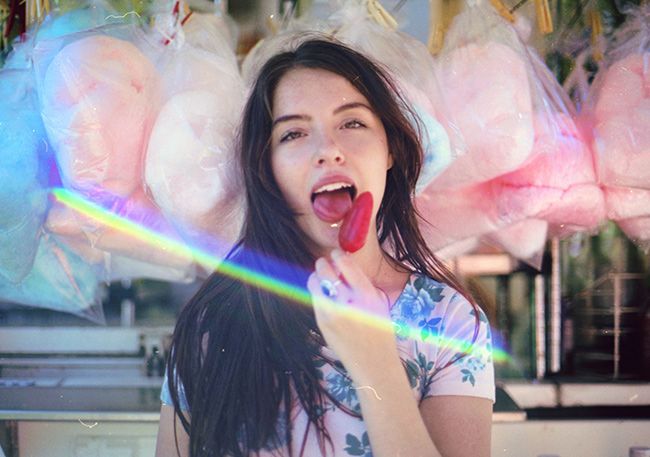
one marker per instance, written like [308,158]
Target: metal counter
[129,404]
[124,404]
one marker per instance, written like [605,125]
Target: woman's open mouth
[332,201]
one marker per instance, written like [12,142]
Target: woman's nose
[329,152]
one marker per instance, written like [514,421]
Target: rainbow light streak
[268,283]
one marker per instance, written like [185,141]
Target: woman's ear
[390,161]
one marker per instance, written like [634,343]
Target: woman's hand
[356,324]
[354,318]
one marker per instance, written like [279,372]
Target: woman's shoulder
[421,287]
[444,339]
[426,301]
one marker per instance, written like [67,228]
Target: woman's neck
[382,271]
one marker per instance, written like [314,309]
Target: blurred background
[88,302]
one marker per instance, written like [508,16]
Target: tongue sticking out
[332,206]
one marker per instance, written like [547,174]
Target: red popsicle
[354,229]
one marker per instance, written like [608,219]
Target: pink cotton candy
[523,240]
[554,194]
[99,96]
[622,117]
[624,86]
[558,184]
[622,143]
[488,98]
[630,208]
[637,229]
[627,202]
[445,209]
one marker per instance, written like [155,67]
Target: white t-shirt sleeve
[463,360]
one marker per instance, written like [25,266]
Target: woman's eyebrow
[352,105]
[290,117]
[305,117]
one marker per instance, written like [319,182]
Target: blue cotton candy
[78,20]
[56,25]
[59,280]
[23,180]
[435,147]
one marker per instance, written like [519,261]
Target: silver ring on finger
[329,288]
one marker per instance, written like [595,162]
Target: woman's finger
[348,269]
[325,269]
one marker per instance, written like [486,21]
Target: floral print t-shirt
[449,355]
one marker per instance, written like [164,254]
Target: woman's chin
[326,240]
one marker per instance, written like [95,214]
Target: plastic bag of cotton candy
[59,280]
[35,268]
[484,78]
[99,95]
[556,190]
[367,28]
[190,165]
[620,112]
[493,112]
[552,193]
[23,173]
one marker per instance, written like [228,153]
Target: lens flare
[268,283]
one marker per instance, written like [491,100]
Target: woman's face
[327,147]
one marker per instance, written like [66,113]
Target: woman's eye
[354,124]
[292,135]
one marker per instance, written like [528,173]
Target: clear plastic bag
[99,94]
[620,112]
[557,185]
[35,268]
[59,280]
[553,193]
[23,194]
[490,107]
[190,166]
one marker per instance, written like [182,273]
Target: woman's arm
[368,350]
[458,425]
[166,444]
[390,412]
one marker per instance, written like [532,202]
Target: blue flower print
[418,370]
[468,376]
[481,315]
[429,327]
[417,303]
[341,389]
[472,364]
[488,349]
[358,446]
[412,372]
[435,292]
[401,327]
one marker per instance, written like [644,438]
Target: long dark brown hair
[245,356]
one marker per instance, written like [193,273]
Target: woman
[256,373]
